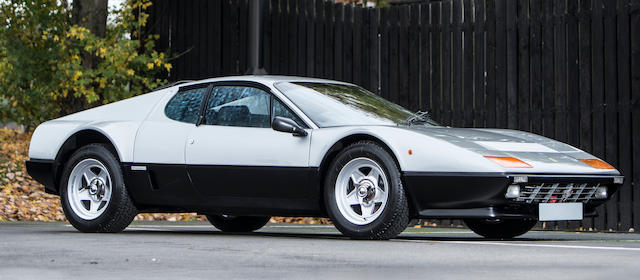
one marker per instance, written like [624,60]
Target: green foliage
[41,60]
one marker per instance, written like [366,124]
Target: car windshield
[329,104]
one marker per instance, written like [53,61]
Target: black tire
[394,217]
[502,229]
[238,223]
[120,210]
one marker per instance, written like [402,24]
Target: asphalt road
[198,251]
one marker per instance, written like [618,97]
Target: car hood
[544,154]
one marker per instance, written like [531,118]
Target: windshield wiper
[418,118]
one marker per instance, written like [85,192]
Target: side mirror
[287,125]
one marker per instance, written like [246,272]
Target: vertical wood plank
[501,64]
[425,58]
[347,60]
[490,100]
[413,57]
[468,66]
[436,60]
[560,73]
[268,34]
[357,45]
[512,63]
[384,52]
[292,36]
[274,29]
[243,15]
[328,40]
[548,87]
[319,39]
[311,37]
[446,62]
[172,40]
[302,38]
[178,38]
[283,41]
[535,54]
[374,60]
[523,117]
[573,74]
[394,20]
[190,40]
[403,57]
[457,78]
[366,47]
[480,70]
[339,27]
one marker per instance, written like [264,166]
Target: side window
[185,105]
[238,106]
[279,110]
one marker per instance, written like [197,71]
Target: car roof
[263,79]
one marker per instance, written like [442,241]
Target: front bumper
[482,195]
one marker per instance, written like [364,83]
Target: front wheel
[363,193]
[227,223]
[501,229]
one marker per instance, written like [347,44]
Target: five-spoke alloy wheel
[92,191]
[89,189]
[363,193]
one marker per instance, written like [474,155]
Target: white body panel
[118,121]
[246,146]
[160,139]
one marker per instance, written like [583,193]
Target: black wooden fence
[566,69]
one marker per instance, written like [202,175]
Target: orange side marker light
[596,163]
[509,162]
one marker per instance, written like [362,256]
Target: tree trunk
[90,14]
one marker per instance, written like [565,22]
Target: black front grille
[557,192]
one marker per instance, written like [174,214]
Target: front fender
[427,153]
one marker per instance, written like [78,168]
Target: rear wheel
[92,191]
[501,229]
[363,193]
[227,223]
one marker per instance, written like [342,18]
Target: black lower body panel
[232,190]
[43,171]
[455,190]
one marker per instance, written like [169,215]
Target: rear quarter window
[185,105]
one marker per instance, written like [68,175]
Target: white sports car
[241,149]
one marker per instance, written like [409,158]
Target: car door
[235,156]
[159,170]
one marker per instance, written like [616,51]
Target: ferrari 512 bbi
[242,149]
